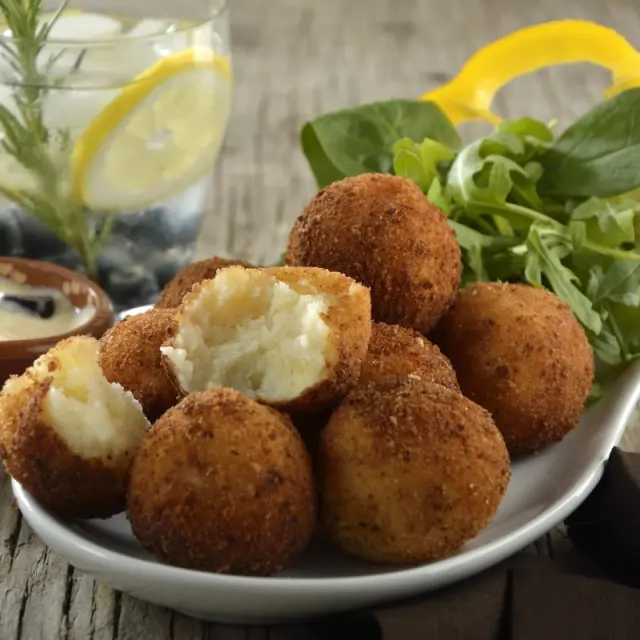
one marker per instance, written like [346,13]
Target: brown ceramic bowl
[17,355]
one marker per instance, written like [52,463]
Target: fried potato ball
[223,484]
[519,352]
[409,471]
[68,435]
[293,338]
[130,355]
[183,282]
[383,232]
[395,350]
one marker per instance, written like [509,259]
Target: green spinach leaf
[598,154]
[360,140]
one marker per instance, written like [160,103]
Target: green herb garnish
[39,151]
[527,206]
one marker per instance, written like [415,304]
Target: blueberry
[37,240]
[158,228]
[130,286]
[67,258]
[10,235]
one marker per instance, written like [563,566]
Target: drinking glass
[110,128]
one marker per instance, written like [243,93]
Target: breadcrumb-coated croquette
[223,484]
[383,232]
[68,435]
[395,350]
[409,471]
[519,352]
[130,355]
[183,282]
[293,338]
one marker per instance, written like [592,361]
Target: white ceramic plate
[544,489]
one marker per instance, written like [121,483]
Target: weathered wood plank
[92,610]
[34,589]
[296,59]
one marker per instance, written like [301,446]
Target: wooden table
[295,59]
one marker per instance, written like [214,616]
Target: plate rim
[72,546]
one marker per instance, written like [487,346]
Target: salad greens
[561,212]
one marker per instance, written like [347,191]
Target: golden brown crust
[409,471]
[349,320]
[12,404]
[293,254]
[519,352]
[130,355]
[65,483]
[222,484]
[382,231]
[182,283]
[395,350]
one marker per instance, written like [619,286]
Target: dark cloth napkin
[532,597]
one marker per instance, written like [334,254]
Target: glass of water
[112,115]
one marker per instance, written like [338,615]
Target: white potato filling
[248,331]
[94,417]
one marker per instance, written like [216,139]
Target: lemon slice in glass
[158,136]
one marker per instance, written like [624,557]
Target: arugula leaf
[527,128]
[462,181]
[486,254]
[419,162]
[626,322]
[473,243]
[596,394]
[631,196]
[607,348]
[608,224]
[620,283]
[407,163]
[360,140]
[439,196]
[546,250]
[563,215]
[480,174]
[598,154]
[433,154]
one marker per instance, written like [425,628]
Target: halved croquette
[223,484]
[293,338]
[69,435]
[183,282]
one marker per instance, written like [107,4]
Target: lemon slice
[157,137]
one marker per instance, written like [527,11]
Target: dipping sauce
[18,324]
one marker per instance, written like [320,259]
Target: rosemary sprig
[28,141]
